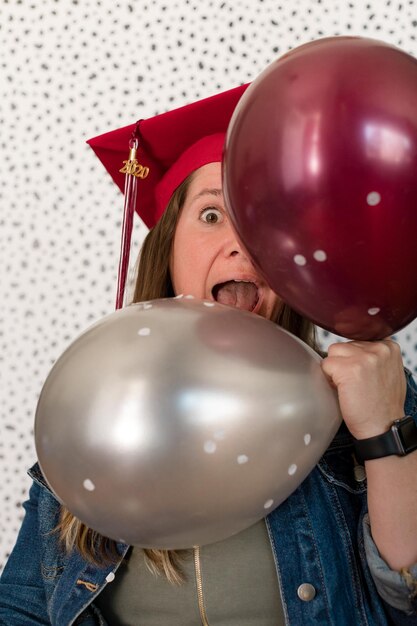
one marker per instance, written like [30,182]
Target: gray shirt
[238,582]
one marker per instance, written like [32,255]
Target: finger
[343,349]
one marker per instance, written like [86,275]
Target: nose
[232,245]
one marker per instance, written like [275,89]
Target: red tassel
[133,171]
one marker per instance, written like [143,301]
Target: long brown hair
[153,281]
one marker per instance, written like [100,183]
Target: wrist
[379,421]
[372,430]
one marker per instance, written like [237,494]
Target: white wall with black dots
[70,70]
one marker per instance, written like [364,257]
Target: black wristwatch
[400,439]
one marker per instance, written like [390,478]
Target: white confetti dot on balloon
[292,469]
[219,434]
[242,458]
[110,577]
[373,198]
[299,259]
[268,504]
[210,446]
[307,439]
[208,303]
[320,255]
[144,332]
[89,485]
[374,310]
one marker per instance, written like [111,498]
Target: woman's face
[207,260]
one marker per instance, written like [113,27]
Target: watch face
[407,430]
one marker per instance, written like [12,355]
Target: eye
[211,215]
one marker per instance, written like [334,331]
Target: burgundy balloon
[320,178]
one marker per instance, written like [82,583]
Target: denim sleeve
[22,593]
[398,589]
[410,406]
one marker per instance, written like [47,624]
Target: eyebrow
[208,191]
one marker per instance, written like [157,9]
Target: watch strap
[400,439]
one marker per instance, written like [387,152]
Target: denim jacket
[329,569]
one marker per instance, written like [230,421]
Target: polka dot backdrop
[71,70]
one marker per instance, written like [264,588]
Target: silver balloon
[176,422]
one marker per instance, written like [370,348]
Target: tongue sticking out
[238,294]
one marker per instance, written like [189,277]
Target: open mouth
[241,294]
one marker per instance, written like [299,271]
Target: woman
[333,552]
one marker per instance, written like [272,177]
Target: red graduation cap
[170,146]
